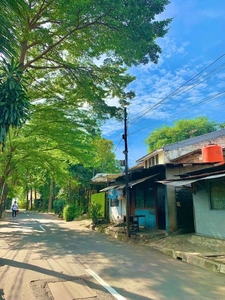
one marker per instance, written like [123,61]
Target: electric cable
[176,90]
[185,109]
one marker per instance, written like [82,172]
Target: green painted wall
[99,198]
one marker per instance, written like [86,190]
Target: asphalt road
[39,252]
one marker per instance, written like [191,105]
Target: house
[208,190]
[186,151]
[102,181]
[162,206]
[178,158]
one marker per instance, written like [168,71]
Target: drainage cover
[70,290]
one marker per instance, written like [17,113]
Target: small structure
[165,206]
[208,190]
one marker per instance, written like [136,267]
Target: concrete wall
[171,205]
[116,213]
[179,149]
[208,222]
[161,157]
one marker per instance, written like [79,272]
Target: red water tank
[212,153]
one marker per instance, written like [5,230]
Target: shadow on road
[20,265]
[146,266]
[2,294]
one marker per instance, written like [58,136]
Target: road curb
[195,259]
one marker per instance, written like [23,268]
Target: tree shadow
[2,294]
[147,267]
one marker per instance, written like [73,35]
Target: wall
[176,150]
[99,198]
[208,222]
[161,157]
[116,213]
[171,205]
[148,221]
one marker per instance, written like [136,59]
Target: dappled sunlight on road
[61,249]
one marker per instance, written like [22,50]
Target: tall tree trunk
[27,204]
[3,198]
[50,200]
[31,198]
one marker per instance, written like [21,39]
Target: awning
[189,181]
[109,188]
[132,183]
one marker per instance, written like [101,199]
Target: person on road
[14,209]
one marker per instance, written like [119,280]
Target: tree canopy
[74,56]
[182,130]
[76,53]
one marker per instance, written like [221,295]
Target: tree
[182,130]
[104,159]
[14,104]
[60,43]
[51,148]
[64,39]
[75,56]
[8,9]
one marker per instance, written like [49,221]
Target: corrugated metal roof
[179,182]
[108,188]
[195,140]
[104,178]
[130,184]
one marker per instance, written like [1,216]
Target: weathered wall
[176,150]
[149,220]
[171,205]
[208,222]
[116,213]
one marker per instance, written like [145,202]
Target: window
[217,195]
[139,198]
[157,159]
[145,198]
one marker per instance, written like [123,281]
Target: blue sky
[187,82]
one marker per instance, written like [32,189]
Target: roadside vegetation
[62,66]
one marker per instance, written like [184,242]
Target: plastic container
[212,153]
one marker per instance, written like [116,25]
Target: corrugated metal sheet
[196,140]
[189,181]
[104,178]
[109,188]
[130,184]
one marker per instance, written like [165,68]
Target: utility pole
[126,176]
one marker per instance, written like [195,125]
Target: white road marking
[42,228]
[106,286]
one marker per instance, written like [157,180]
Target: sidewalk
[204,252]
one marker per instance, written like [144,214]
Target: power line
[200,102]
[176,90]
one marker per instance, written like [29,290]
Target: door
[185,215]
[160,208]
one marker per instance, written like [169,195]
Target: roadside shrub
[58,206]
[69,212]
[78,211]
[95,212]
